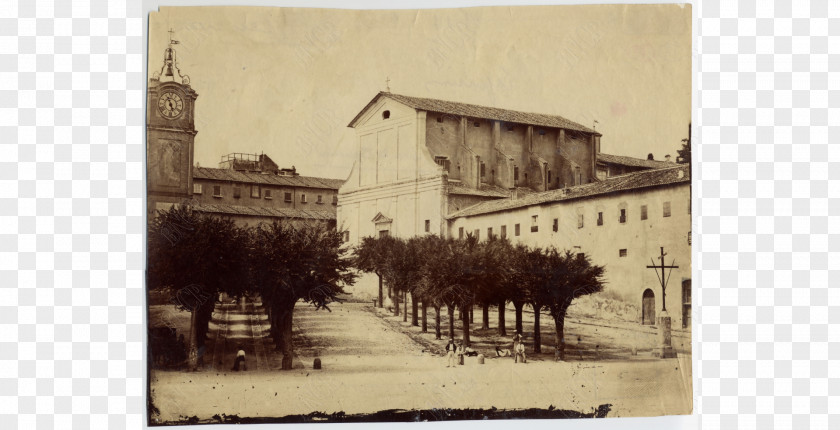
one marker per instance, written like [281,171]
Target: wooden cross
[171,32]
[662,267]
[387,87]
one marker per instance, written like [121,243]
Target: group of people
[458,350]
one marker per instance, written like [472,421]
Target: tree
[369,256]
[684,154]
[559,279]
[297,262]
[194,256]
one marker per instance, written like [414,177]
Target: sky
[287,81]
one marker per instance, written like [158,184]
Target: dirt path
[234,326]
[370,365]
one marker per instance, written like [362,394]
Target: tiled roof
[258,178]
[477,111]
[265,212]
[484,190]
[632,181]
[633,162]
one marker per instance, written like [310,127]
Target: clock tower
[170,134]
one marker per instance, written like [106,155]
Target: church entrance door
[648,307]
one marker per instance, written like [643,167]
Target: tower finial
[387,86]
[170,64]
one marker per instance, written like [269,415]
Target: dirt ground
[373,361]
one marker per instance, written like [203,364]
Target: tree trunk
[471,314]
[424,325]
[405,306]
[437,322]
[502,331]
[465,325]
[396,300]
[518,307]
[380,290]
[559,339]
[414,307]
[537,338]
[287,346]
[192,352]
[451,321]
[485,316]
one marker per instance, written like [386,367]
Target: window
[580,220]
[237,192]
[622,252]
[622,216]
[347,236]
[578,177]
[510,128]
[600,218]
[549,177]
[287,197]
[443,162]
[477,124]
[303,198]
[386,114]
[320,200]
[516,230]
[335,200]
[481,168]
[476,233]
[555,225]
[255,191]
[526,179]
[666,209]
[460,232]
[542,132]
[217,190]
[440,119]
[196,188]
[534,226]
[268,194]
[515,173]
[489,232]
[384,233]
[428,226]
[644,212]
[503,231]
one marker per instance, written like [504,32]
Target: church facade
[427,166]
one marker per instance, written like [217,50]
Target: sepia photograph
[455,214]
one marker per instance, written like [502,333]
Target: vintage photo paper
[418,215]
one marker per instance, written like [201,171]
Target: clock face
[170,105]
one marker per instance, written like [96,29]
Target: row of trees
[194,257]
[463,273]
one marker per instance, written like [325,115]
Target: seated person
[502,352]
[469,352]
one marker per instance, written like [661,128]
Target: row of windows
[622,218]
[508,127]
[255,193]
[622,214]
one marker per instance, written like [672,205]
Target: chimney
[650,156]
[514,193]
[667,158]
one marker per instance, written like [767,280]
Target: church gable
[381,110]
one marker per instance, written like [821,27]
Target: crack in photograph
[418,215]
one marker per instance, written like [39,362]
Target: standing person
[240,358]
[450,353]
[518,348]
[461,352]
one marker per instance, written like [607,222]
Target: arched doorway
[648,307]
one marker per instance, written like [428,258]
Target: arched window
[386,114]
